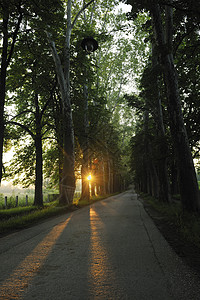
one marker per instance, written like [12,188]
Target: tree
[164,41]
[63,75]
[187,59]
[32,99]
[11,14]
[188,181]
[31,82]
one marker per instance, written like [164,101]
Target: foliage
[121,66]
[24,219]
[186,223]
[32,76]
[160,132]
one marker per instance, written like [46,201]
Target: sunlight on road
[15,285]
[101,274]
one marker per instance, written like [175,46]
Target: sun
[89,177]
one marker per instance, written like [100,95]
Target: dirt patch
[189,252]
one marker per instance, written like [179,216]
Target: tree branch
[58,65]
[78,14]
[179,42]
[15,37]
[49,100]
[21,113]
[23,127]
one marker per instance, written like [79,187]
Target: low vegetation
[22,217]
[188,224]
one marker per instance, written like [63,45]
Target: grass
[12,212]
[188,224]
[22,217]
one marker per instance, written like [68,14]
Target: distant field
[48,196]
[22,201]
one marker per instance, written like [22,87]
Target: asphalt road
[109,250]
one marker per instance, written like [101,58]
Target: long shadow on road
[109,250]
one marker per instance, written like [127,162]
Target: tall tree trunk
[164,186]
[174,178]
[60,167]
[67,186]
[3,87]
[38,171]
[101,177]
[85,147]
[39,161]
[57,112]
[108,175]
[85,194]
[68,177]
[152,177]
[5,60]
[188,182]
[93,184]
[111,176]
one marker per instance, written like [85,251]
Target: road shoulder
[187,251]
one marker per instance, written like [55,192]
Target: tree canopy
[125,112]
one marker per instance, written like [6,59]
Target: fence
[11,202]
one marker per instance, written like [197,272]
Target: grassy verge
[22,217]
[19,218]
[188,224]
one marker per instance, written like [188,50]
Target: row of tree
[64,112]
[61,108]
[167,139]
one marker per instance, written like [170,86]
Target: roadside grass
[6,214]
[21,217]
[188,224]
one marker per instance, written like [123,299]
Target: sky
[125,7]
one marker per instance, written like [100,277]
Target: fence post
[6,198]
[16,203]
[26,200]
[48,198]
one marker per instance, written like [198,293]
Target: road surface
[109,250]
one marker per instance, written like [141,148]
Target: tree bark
[164,194]
[67,184]
[5,60]
[3,87]
[174,178]
[187,177]
[67,187]
[85,194]
[152,176]
[85,147]
[68,177]
[111,175]
[38,201]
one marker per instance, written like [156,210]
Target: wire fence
[13,201]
